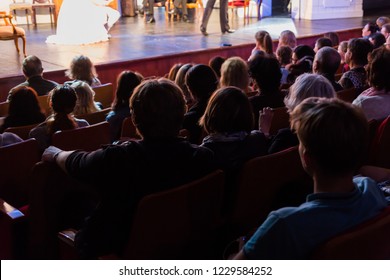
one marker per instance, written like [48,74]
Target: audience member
[322,42]
[387,44]
[215,63]
[375,101]
[173,71]
[380,21]
[120,109]
[63,100]
[85,103]
[23,109]
[342,50]
[180,80]
[307,85]
[302,62]
[356,57]
[201,82]
[368,29]
[333,136]
[234,72]
[326,63]
[265,71]
[385,30]
[33,72]
[82,69]
[377,40]
[8,138]
[334,37]
[263,44]
[284,56]
[287,38]
[124,174]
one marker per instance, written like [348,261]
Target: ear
[315,65]
[307,162]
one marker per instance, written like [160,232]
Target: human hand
[50,154]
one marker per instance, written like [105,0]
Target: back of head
[158,109]
[264,40]
[287,38]
[23,102]
[308,85]
[32,66]
[126,83]
[378,69]
[180,80]
[359,48]
[333,133]
[284,54]
[173,71]
[266,72]
[234,72]
[343,46]
[326,61]
[304,50]
[380,21]
[201,81]
[323,42]
[85,98]
[215,63]
[81,68]
[228,111]
[377,40]
[334,37]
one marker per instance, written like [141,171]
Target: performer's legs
[224,16]
[206,16]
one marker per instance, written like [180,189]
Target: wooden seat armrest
[9,211]
[67,247]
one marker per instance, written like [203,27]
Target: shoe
[229,31]
[204,32]
[151,20]
[185,18]
[141,12]
[174,12]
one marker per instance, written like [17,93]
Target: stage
[134,39]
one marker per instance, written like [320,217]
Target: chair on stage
[88,138]
[11,32]
[233,5]
[368,241]
[21,5]
[44,4]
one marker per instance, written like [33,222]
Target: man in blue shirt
[332,140]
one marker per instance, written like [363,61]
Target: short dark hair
[332,132]
[304,50]
[265,70]
[378,40]
[324,42]
[32,66]
[284,54]
[378,69]
[158,108]
[215,63]
[334,37]
[202,81]
[228,111]
[360,48]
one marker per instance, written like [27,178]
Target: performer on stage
[223,16]
[84,22]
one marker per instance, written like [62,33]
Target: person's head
[234,72]
[322,42]
[180,80]
[326,61]
[127,81]
[287,38]
[228,111]
[215,63]
[333,136]
[173,71]
[301,51]
[265,70]
[377,40]
[385,30]
[85,103]
[23,102]
[369,28]
[342,50]
[380,21]
[308,85]
[158,108]
[334,37]
[387,44]
[32,66]
[378,70]
[81,68]
[264,41]
[284,55]
[62,100]
[357,51]
[201,81]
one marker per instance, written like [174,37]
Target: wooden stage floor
[133,38]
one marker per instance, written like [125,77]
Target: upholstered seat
[11,32]
[21,6]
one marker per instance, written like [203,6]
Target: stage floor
[133,38]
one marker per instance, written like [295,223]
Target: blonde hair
[287,38]
[85,103]
[81,68]
[234,72]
